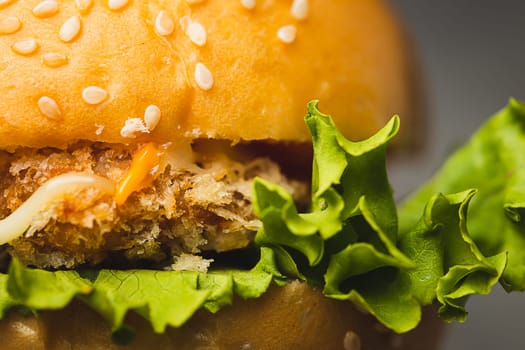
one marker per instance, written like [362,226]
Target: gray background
[473,56]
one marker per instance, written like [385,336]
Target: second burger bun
[292,317]
[349,54]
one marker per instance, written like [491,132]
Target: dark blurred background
[473,59]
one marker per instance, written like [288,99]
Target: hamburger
[139,142]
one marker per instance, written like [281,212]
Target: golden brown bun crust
[293,317]
[349,54]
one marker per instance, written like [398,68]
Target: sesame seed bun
[89,70]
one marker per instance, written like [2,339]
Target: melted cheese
[51,191]
[143,170]
[149,162]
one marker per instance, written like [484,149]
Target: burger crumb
[188,262]
[132,127]
[100,129]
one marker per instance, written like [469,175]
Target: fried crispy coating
[186,210]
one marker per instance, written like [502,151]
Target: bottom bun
[292,317]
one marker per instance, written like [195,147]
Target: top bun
[78,70]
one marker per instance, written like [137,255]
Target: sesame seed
[164,24]
[152,116]
[94,95]
[116,5]
[203,77]
[46,8]
[25,47]
[132,126]
[70,29]
[49,108]
[196,33]
[191,2]
[53,59]
[287,34]
[4,3]
[83,5]
[10,25]
[351,341]
[248,4]
[299,9]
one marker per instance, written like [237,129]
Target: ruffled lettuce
[458,236]
[348,242]
[493,162]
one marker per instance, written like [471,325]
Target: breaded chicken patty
[180,210]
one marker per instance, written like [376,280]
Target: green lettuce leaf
[6,301]
[164,298]
[350,231]
[348,241]
[492,162]
[40,289]
[450,266]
